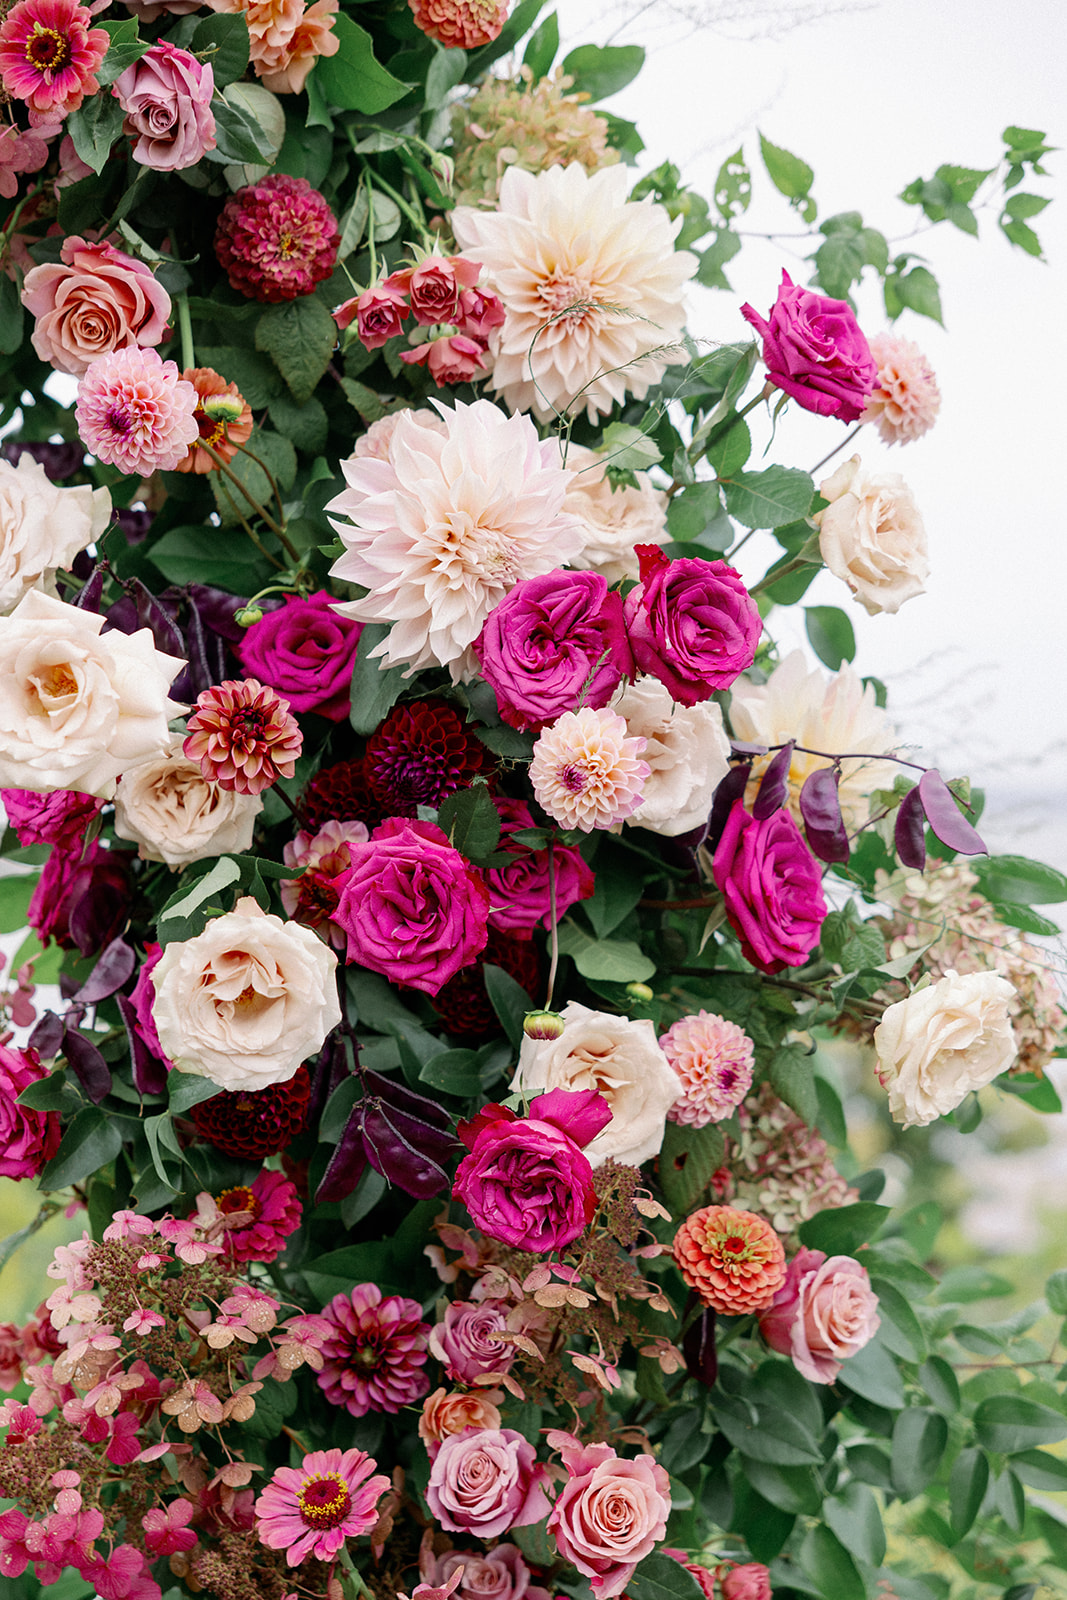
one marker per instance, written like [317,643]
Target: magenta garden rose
[28,1138]
[772,886]
[58,817]
[692,624]
[520,891]
[485,1481]
[610,1513]
[815,351]
[824,1312]
[553,644]
[412,907]
[306,651]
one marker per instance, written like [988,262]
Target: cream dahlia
[586,771]
[591,284]
[441,530]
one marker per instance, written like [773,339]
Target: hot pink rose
[93,300]
[306,651]
[466,1340]
[772,886]
[520,892]
[526,1181]
[485,1481]
[379,314]
[166,96]
[142,999]
[412,907]
[749,1581]
[28,1138]
[554,643]
[824,1312]
[59,817]
[452,360]
[611,1512]
[692,624]
[815,351]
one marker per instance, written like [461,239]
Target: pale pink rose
[467,1342]
[486,1481]
[872,537]
[824,1312]
[455,359]
[942,1042]
[500,1574]
[166,96]
[92,301]
[750,1581]
[610,1514]
[42,527]
[174,814]
[906,400]
[687,752]
[587,771]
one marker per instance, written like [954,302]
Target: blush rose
[42,527]
[872,537]
[610,1513]
[486,1481]
[942,1042]
[306,651]
[772,887]
[92,301]
[166,96]
[692,624]
[750,1580]
[467,1342]
[815,351]
[824,1312]
[174,814]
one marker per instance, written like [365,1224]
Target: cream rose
[174,814]
[942,1042]
[42,527]
[872,537]
[687,750]
[619,1058]
[247,1000]
[78,706]
[613,520]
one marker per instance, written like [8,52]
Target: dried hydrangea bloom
[733,1260]
[586,770]
[243,736]
[524,124]
[779,1167]
[907,399]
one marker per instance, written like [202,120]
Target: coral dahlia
[376,1352]
[733,1260]
[48,55]
[276,239]
[460,24]
[243,736]
[136,412]
[312,1509]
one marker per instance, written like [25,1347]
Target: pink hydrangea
[312,1509]
[713,1060]
[906,398]
[375,1353]
[135,411]
[587,770]
[276,239]
[48,56]
[28,1138]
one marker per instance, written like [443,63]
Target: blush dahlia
[276,239]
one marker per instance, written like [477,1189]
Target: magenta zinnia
[243,736]
[135,411]
[376,1353]
[312,1509]
[48,55]
[276,239]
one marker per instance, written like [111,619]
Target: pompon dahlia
[341,793]
[586,770]
[733,1260]
[243,736]
[460,24]
[310,1510]
[219,430]
[421,753]
[376,1353]
[48,55]
[136,412]
[906,401]
[276,239]
[713,1061]
[252,1124]
[464,1006]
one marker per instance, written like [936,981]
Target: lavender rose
[501,1574]
[520,892]
[166,96]
[28,1138]
[610,1513]
[692,624]
[554,643]
[467,1341]
[412,907]
[484,1481]
[772,887]
[824,1312]
[306,651]
[815,351]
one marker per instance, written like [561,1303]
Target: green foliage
[830,634]
[600,71]
[354,79]
[375,690]
[299,336]
[125,48]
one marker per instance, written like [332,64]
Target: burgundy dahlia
[276,239]
[252,1124]
[340,793]
[421,753]
[375,1356]
[464,1006]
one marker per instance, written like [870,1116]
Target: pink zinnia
[460,24]
[243,736]
[135,411]
[48,55]
[273,1214]
[906,398]
[713,1060]
[375,1356]
[276,239]
[312,1509]
[586,770]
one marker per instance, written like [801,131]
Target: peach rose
[824,1312]
[174,814]
[446,1412]
[610,1513]
[872,537]
[42,527]
[942,1042]
[93,300]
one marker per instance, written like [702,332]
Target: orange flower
[733,1260]
[222,435]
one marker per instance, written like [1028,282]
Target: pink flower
[82,896]
[48,55]
[520,892]
[444,1413]
[326,859]
[460,24]
[379,313]
[59,817]
[135,412]
[28,1138]
[243,736]
[167,1528]
[142,1321]
[906,400]
[692,624]
[273,1214]
[713,1060]
[705,1578]
[312,1509]
[610,1513]
[276,239]
[480,312]
[142,999]
[499,1574]
[283,67]
[452,359]
[166,96]
[375,1353]
[92,301]
[824,1312]
[434,285]
[412,907]
[485,1481]
[121,1575]
[467,1341]
[306,650]
[749,1581]
[815,351]
[22,150]
[772,887]
[586,770]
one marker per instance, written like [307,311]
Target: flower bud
[542,1025]
[223,407]
[639,991]
[248,616]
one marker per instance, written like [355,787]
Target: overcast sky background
[873,95]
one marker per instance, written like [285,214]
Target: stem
[771,578]
[399,200]
[268,474]
[249,496]
[185,326]
[853,755]
[846,440]
[247,526]
[16,214]
[280,792]
[554,937]
[370,233]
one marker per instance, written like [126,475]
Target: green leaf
[733,186]
[919,1440]
[842,1230]
[731,449]
[182,907]
[447,68]
[1040,1093]
[830,1567]
[222,41]
[353,78]
[255,375]
[1009,1497]
[11,313]
[299,336]
[1041,1470]
[508,999]
[125,48]
[275,1403]
[614,960]
[16,893]
[688,1158]
[94,127]
[239,137]
[725,246]
[353,224]
[697,510]
[830,634]
[854,1515]
[654,1579]
[1022,236]
[306,425]
[471,821]
[792,1077]
[89,1143]
[210,555]
[769,499]
[1009,1422]
[1020,206]
[839,264]
[52,1093]
[453,1072]
[375,689]
[276,453]
[363,399]
[614,897]
[787,172]
[505,741]
[901,1330]
[940,1383]
[766,1433]
[962,1285]
[913,291]
[875,249]
[518,24]
[1056,1292]
[966,1489]
[874,1375]
[602,71]
[791,1489]
[628,449]
[1020,881]
[541,50]
[186,1089]
[159,1132]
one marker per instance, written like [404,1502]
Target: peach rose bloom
[447,1411]
[824,1312]
[93,300]
[175,815]
[283,69]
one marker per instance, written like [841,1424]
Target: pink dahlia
[906,398]
[276,239]
[48,55]
[713,1060]
[135,411]
[460,24]
[375,1356]
[586,770]
[243,736]
[310,1510]
[270,1212]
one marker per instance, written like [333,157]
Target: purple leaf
[730,790]
[406,1101]
[149,1073]
[328,1072]
[87,1064]
[945,817]
[88,598]
[98,909]
[820,809]
[348,1161]
[739,748]
[388,1139]
[47,1036]
[698,1347]
[774,785]
[909,830]
[152,615]
[115,965]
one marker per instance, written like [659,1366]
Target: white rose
[78,706]
[687,750]
[871,536]
[613,520]
[247,1001]
[174,814]
[42,527]
[619,1058]
[942,1042]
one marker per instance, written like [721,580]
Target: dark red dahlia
[421,753]
[464,1006]
[255,1123]
[340,794]
[276,239]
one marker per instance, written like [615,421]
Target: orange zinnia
[733,1260]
